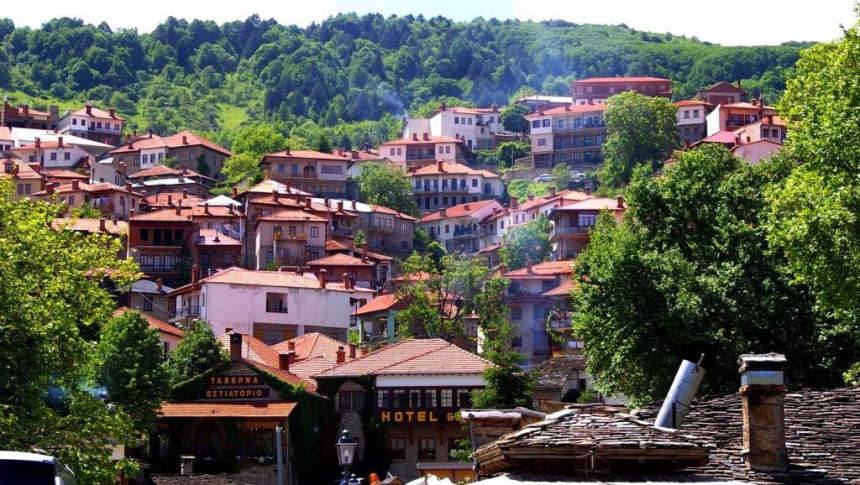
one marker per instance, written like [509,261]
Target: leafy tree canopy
[690,271]
[197,352]
[529,242]
[381,184]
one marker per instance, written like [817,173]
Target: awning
[225,410]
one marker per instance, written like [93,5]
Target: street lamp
[346,447]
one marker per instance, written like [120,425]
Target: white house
[273,306]
[460,228]
[447,184]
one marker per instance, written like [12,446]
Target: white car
[576,176]
[544,177]
[19,468]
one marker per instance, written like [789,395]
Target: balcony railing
[275,308]
[188,311]
[572,229]
[340,231]
[583,126]
[158,268]
[298,175]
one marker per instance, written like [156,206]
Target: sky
[752,22]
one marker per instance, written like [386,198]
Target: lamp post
[346,447]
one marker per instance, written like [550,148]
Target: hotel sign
[236,387]
[414,416]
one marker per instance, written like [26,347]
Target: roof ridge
[417,355]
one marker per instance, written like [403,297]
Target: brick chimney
[346,281]
[288,151]
[531,196]
[515,204]
[38,142]
[159,285]
[26,110]
[351,351]
[235,192]
[195,271]
[60,142]
[442,213]
[130,212]
[184,139]
[50,188]
[620,201]
[128,186]
[322,278]
[587,191]
[503,269]
[235,346]
[286,359]
[169,199]
[466,207]
[76,184]
[415,137]
[276,196]
[289,186]
[529,266]
[308,203]
[552,191]
[426,136]
[763,399]
[341,355]
[206,207]
[291,346]
[440,165]
[103,224]
[89,109]
[112,112]
[340,206]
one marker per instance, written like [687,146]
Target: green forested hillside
[351,75]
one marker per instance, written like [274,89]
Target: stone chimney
[763,401]
[322,278]
[351,351]
[103,224]
[235,346]
[159,285]
[620,201]
[341,355]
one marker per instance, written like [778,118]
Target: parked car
[544,177]
[576,176]
[19,468]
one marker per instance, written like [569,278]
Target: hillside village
[339,320]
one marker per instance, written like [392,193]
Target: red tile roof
[311,345]
[92,226]
[288,215]
[98,113]
[339,260]
[563,289]
[84,187]
[267,186]
[164,215]
[379,304]
[163,170]
[335,246]
[452,169]
[491,248]
[461,210]
[252,349]
[541,270]
[5,133]
[188,138]
[153,322]
[576,109]
[211,237]
[603,80]
[691,102]
[283,279]
[308,368]
[539,201]
[592,204]
[304,154]
[65,174]
[413,356]
[722,136]
[724,87]
[140,143]
[260,409]
[25,171]
[421,141]
[161,200]
[748,106]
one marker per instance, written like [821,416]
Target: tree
[360,239]
[529,242]
[197,352]
[508,386]
[387,186]
[561,176]
[129,362]
[513,118]
[85,211]
[640,130]
[248,147]
[51,306]
[690,272]
[814,213]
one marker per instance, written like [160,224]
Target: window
[281,168]
[695,113]
[562,143]
[686,114]
[147,305]
[517,342]
[400,398]
[542,142]
[546,123]
[136,160]
[20,189]
[98,124]
[430,398]
[53,156]
[145,158]
[426,448]
[397,448]
[470,121]
[116,126]
[191,155]
[71,200]
[67,156]
[586,220]
[536,124]
[474,182]
[597,139]
[774,133]
[350,400]
[414,398]
[587,141]
[393,151]
[447,229]
[456,120]
[270,256]
[314,255]
[315,231]
[516,313]
[447,398]
[331,169]
[382,400]
[74,121]
[400,151]
[464,398]
[28,188]
[686,132]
